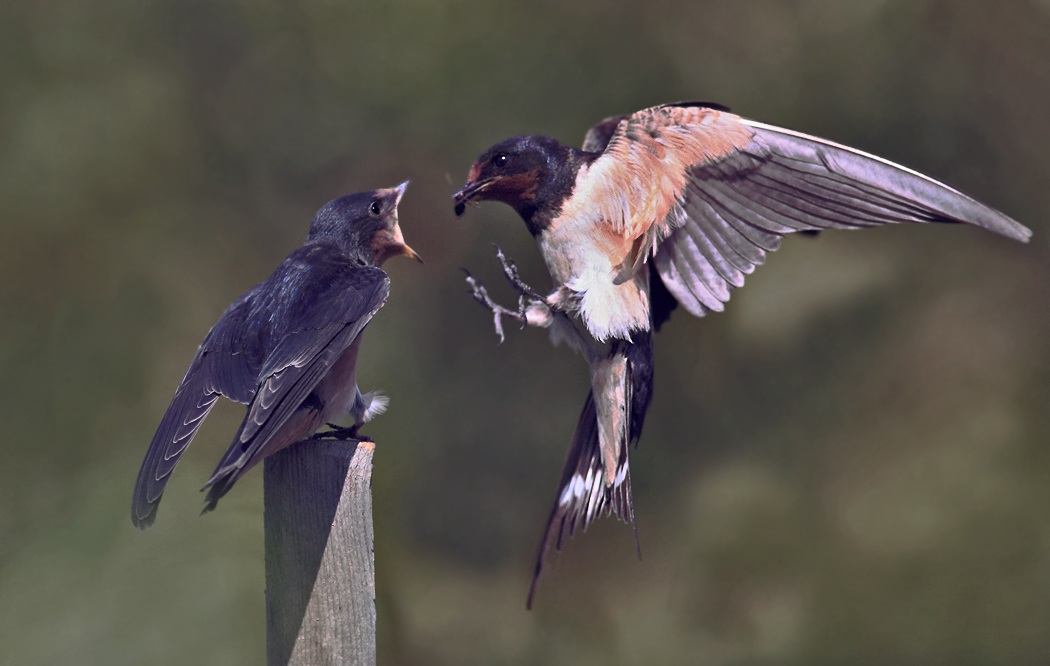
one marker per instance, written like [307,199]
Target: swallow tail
[247,451]
[584,492]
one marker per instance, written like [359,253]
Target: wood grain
[320,565]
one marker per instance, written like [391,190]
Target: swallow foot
[481,295]
[346,434]
[510,270]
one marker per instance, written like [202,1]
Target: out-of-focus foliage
[851,465]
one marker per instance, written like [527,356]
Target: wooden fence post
[320,565]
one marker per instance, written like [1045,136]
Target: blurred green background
[849,466]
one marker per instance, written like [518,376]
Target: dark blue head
[364,224]
[531,174]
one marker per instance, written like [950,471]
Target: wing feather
[735,204]
[300,359]
[696,237]
[725,241]
[220,367]
[269,350]
[634,185]
[701,278]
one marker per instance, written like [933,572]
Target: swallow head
[518,172]
[365,225]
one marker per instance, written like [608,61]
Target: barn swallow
[672,205]
[287,349]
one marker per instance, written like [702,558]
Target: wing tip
[973,213]
[143,506]
[904,182]
[144,520]
[1012,229]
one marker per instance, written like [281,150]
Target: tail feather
[242,454]
[217,488]
[582,493]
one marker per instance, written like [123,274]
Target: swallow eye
[500,160]
[375,208]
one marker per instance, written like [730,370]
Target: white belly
[585,257]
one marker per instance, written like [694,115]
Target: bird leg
[534,309]
[510,269]
[542,309]
[347,434]
[481,295]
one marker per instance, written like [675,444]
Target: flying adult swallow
[287,349]
[672,205]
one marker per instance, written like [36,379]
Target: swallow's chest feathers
[585,256]
[338,389]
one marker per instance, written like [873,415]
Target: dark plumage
[287,348]
[672,205]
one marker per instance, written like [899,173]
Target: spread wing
[709,194]
[222,366]
[318,320]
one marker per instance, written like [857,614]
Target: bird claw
[510,270]
[481,295]
[533,309]
[346,434]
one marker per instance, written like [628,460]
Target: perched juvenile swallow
[287,348]
[672,205]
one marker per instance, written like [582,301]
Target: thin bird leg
[542,309]
[481,295]
[510,269]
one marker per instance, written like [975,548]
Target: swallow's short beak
[469,191]
[400,191]
[410,253]
[405,249]
[392,241]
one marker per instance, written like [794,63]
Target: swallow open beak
[392,242]
[470,191]
[397,245]
[410,253]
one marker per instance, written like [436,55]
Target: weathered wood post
[320,565]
